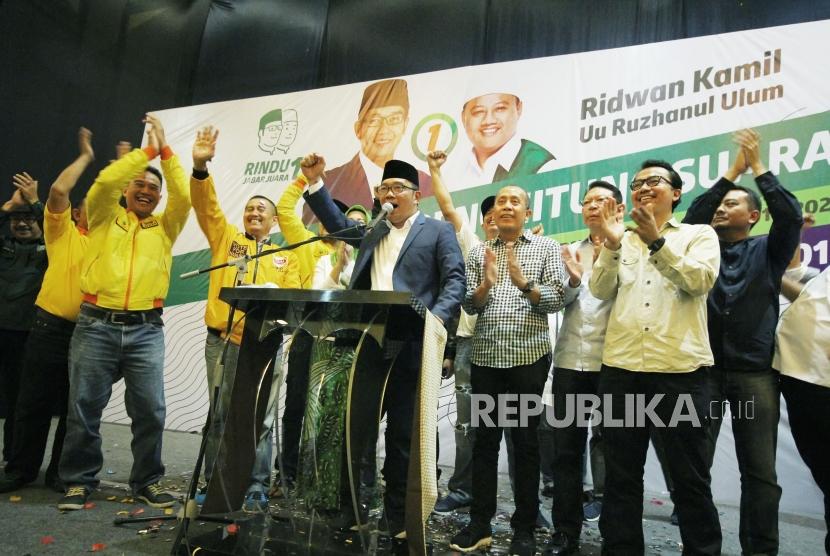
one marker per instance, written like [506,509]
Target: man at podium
[407,252]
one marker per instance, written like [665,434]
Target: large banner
[549,125]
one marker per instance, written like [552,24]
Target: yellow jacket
[66,244]
[228,242]
[127,264]
[294,231]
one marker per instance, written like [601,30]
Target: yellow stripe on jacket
[127,264]
[228,242]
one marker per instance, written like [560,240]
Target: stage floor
[33,525]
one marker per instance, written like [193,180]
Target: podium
[370,321]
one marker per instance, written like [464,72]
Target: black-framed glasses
[377,121]
[396,188]
[598,201]
[651,181]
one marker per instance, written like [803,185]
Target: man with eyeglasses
[23,263]
[409,252]
[658,275]
[742,315]
[380,126]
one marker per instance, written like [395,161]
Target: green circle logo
[440,122]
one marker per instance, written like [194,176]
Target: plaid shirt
[510,331]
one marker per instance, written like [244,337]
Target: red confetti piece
[98,547]
[89,505]
[233,529]
[48,539]
[657,502]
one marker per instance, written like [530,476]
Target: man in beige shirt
[655,360]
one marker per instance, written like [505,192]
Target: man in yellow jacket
[45,361]
[228,242]
[125,275]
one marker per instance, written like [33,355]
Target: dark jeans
[807,407]
[490,381]
[11,353]
[45,389]
[569,449]
[296,392]
[754,402]
[687,449]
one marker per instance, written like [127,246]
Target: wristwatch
[656,245]
[528,287]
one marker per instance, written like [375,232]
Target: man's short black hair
[753,200]
[674,177]
[156,172]
[266,199]
[617,194]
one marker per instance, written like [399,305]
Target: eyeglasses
[376,121]
[598,201]
[651,181]
[396,188]
[23,216]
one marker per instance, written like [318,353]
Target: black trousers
[569,448]
[687,446]
[11,355]
[808,407]
[296,393]
[493,382]
[43,391]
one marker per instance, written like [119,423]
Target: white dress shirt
[581,336]
[802,347]
[658,322]
[386,252]
[467,239]
[322,274]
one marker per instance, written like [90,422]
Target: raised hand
[612,230]
[27,186]
[573,266]
[514,268]
[158,129]
[436,159]
[122,148]
[538,230]
[204,147]
[750,143]
[490,267]
[646,228]
[85,144]
[313,167]
[15,202]
[152,138]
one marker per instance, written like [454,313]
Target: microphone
[384,211]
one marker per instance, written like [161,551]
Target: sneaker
[522,544]
[471,538]
[592,510]
[562,544]
[453,501]
[74,499]
[201,494]
[10,483]
[255,502]
[155,496]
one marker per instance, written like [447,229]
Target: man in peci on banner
[380,126]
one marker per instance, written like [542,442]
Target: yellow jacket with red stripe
[228,242]
[66,245]
[127,263]
[294,231]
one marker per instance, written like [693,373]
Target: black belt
[214,331]
[150,316]
[54,320]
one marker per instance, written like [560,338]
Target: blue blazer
[430,265]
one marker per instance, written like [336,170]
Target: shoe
[562,544]
[472,537]
[592,510]
[542,523]
[453,501]
[547,490]
[74,499]
[201,494]
[155,496]
[10,483]
[255,502]
[54,482]
[522,544]
[674,519]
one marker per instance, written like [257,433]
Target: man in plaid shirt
[513,282]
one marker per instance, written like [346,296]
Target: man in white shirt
[802,355]
[656,347]
[577,358]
